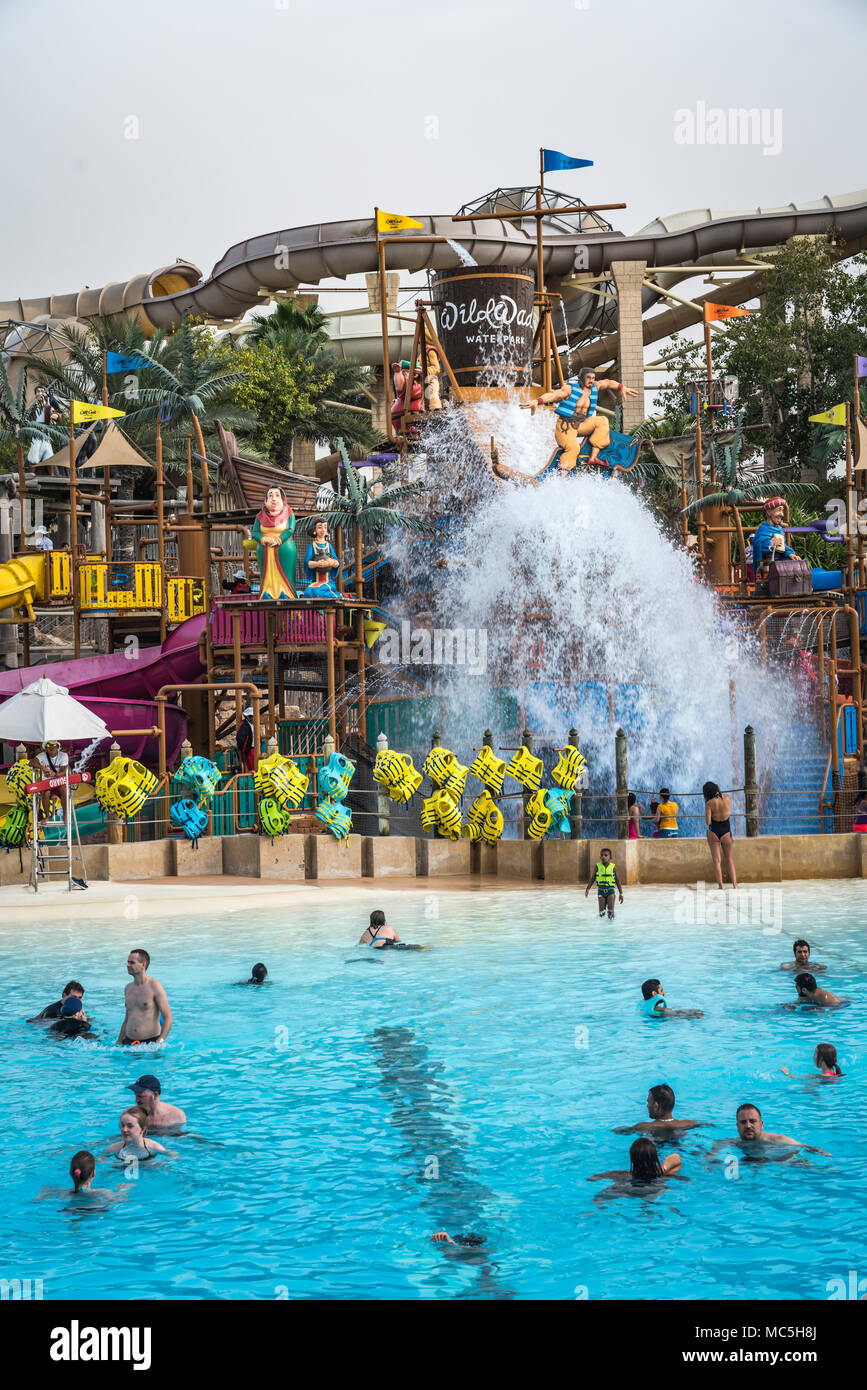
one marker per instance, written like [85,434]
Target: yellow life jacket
[605,876]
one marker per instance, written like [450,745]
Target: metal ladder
[44,857]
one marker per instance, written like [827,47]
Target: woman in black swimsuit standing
[717,813]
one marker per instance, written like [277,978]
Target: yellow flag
[83,411]
[835,416]
[393,222]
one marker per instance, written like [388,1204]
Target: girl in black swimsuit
[719,832]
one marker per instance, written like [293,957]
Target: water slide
[282,260]
[120,688]
[22,581]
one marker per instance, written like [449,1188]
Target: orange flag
[712,312]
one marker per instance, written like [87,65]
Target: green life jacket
[605,876]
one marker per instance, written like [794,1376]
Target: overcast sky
[255,115]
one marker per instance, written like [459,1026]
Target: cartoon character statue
[399,376]
[321,565]
[577,417]
[432,380]
[273,530]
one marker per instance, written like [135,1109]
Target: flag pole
[161,534]
[708,353]
[383,313]
[73,536]
[106,477]
[545,335]
[852,506]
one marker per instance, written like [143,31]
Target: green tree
[370,509]
[794,356]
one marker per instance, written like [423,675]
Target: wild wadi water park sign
[485,323]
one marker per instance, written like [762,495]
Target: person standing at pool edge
[606,880]
[717,810]
[666,816]
[147,1018]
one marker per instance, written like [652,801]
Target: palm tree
[370,512]
[288,319]
[741,483]
[191,384]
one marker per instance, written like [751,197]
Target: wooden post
[751,791]
[329,665]
[527,740]
[161,533]
[106,472]
[699,477]
[383,800]
[576,815]
[835,741]
[621,769]
[270,643]
[383,315]
[362,689]
[236,651]
[22,494]
[683,498]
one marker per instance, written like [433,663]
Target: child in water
[824,1057]
[654,1004]
[81,1169]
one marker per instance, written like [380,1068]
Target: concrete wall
[766,859]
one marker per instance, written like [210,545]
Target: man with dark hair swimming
[54,1010]
[810,993]
[751,1131]
[802,960]
[660,1107]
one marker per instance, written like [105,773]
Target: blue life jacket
[566,408]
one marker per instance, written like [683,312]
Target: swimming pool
[341,1114]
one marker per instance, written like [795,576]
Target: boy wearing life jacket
[605,877]
[577,418]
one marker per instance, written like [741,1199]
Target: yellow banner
[713,312]
[83,412]
[835,416]
[393,222]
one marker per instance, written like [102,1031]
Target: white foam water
[589,615]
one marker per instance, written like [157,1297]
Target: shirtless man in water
[802,960]
[751,1131]
[660,1107]
[148,1017]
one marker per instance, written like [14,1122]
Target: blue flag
[124,362]
[553,159]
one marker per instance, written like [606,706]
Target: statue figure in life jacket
[577,419]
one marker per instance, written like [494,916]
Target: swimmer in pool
[644,1165]
[443,1238]
[73,1021]
[52,1011]
[660,1107]
[752,1133]
[258,976]
[81,1169]
[380,935]
[810,993]
[802,960]
[825,1058]
[654,1005]
[134,1141]
[160,1114]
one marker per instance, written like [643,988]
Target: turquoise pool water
[361,1101]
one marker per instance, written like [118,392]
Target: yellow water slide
[23,580]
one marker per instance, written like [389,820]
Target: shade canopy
[43,711]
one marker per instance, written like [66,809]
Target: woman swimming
[644,1165]
[381,935]
[717,813]
[133,1142]
[81,1169]
[825,1057]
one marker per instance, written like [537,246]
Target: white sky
[255,116]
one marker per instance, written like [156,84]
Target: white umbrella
[44,711]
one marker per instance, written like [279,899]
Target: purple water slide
[120,688]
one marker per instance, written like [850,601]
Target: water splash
[591,617]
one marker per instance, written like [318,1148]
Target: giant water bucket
[485,324]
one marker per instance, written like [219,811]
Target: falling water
[566,338]
[461,252]
[586,614]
